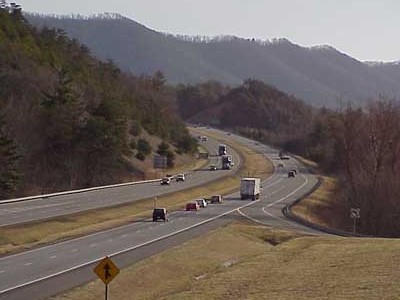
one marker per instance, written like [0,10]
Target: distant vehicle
[180,177]
[213,168]
[222,150]
[201,202]
[160,214]
[284,157]
[294,170]
[216,199]
[165,181]
[281,165]
[192,206]
[204,138]
[250,188]
[227,162]
[291,174]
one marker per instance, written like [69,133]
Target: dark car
[212,168]
[291,174]
[160,214]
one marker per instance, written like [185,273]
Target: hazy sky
[363,29]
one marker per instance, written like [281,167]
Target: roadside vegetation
[24,236]
[247,261]
[69,121]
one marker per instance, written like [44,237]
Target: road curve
[33,272]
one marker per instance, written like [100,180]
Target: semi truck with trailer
[250,188]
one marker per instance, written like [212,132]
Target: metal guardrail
[287,212]
[76,191]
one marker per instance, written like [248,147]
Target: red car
[192,206]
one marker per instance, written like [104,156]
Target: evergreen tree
[9,175]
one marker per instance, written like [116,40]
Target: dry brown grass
[238,262]
[314,208]
[20,237]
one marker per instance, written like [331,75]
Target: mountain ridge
[321,75]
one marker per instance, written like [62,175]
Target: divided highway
[60,205]
[47,270]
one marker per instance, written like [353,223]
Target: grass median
[24,236]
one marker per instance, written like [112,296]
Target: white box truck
[250,188]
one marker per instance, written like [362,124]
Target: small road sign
[355,213]
[106,270]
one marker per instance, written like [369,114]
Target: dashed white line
[124,235]
[74,250]
[28,264]
[53,257]
[93,245]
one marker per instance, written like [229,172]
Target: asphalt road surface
[48,270]
[60,205]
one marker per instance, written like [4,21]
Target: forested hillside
[70,121]
[360,147]
[321,76]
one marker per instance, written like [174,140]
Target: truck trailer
[250,188]
[222,150]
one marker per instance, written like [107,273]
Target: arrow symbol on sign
[107,271]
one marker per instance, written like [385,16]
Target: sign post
[355,215]
[106,270]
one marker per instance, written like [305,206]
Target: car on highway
[291,174]
[180,177]
[160,214]
[192,206]
[281,165]
[212,168]
[216,199]
[165,181]
[294,170]
[201,202]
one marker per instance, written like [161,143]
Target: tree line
[68,120]
[359,146]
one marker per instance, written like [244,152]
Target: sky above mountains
[364,29]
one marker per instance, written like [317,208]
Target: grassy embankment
[20,237]
[240,261]
[247,261]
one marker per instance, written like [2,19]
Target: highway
[61,205]
[44,271]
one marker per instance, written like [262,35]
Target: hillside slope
[70,121]
[319,75]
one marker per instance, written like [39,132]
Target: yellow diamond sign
[106,270]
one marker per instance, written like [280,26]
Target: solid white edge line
[127,249]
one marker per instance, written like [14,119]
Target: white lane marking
[292,193]
[124,235]
[53,257]
[28,264]
[110,240]
[250,218]
[127,249]
[277,201]
[74,250]
[93,245]
[1,271]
